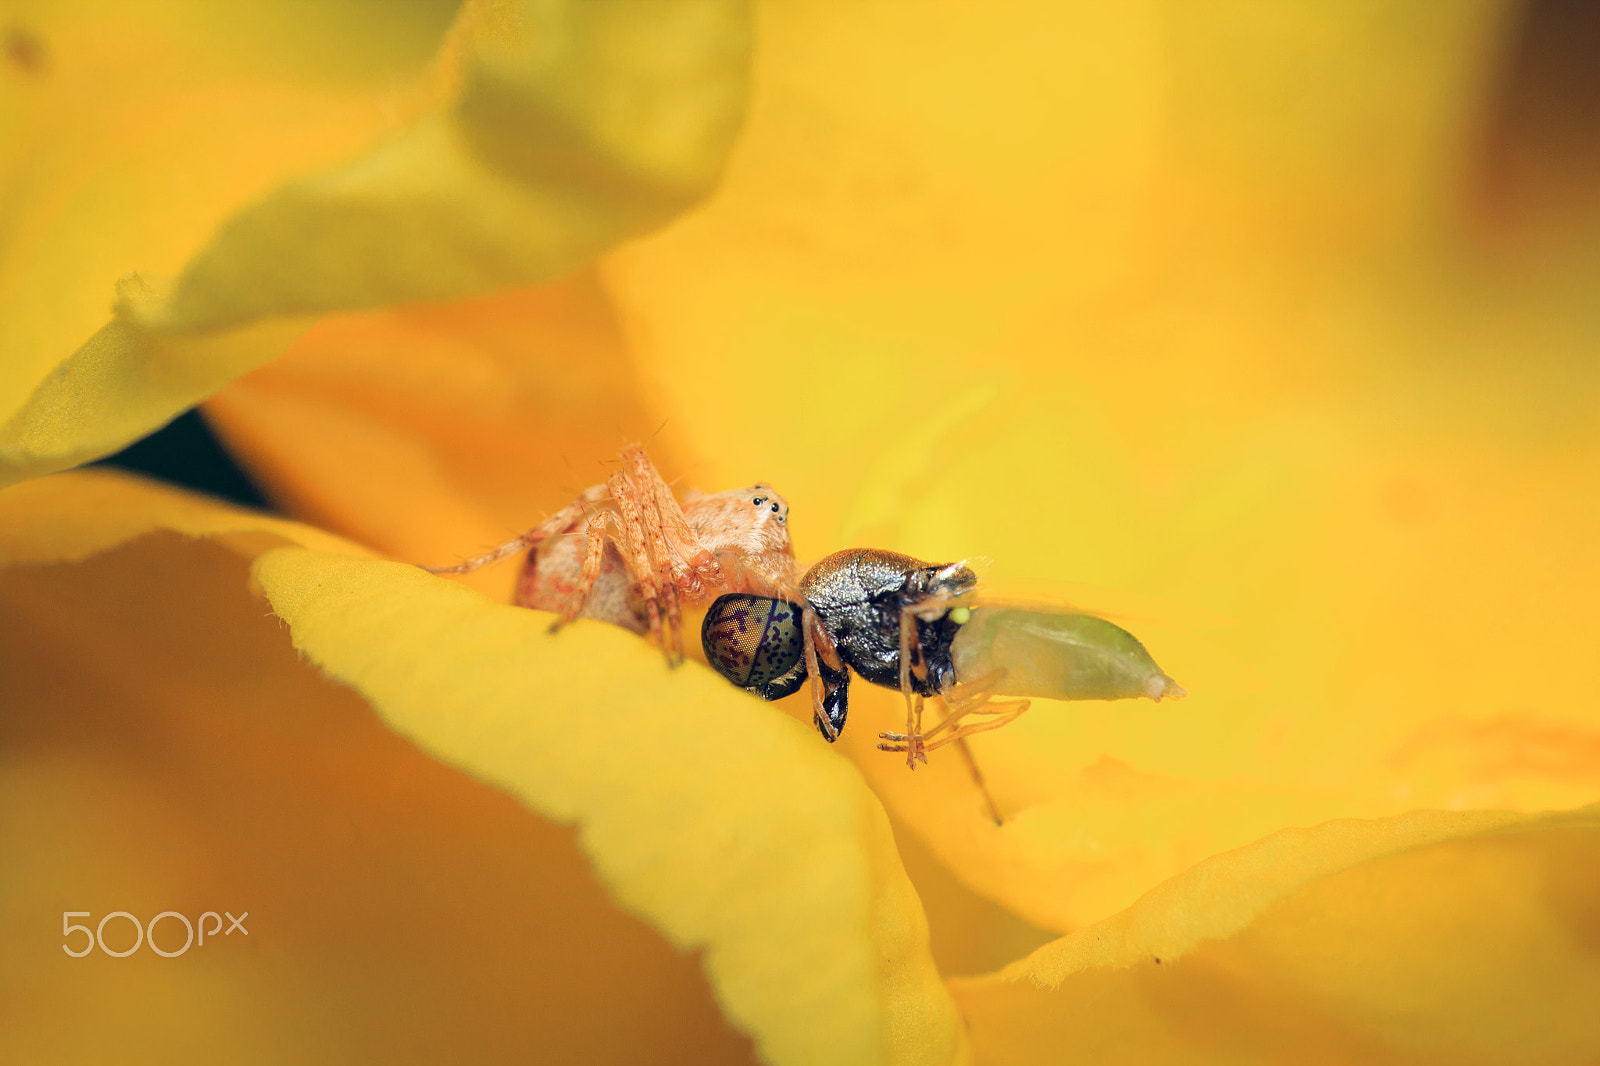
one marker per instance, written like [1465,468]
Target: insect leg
[976,698]
[809,628]
[961,701]
[897,742]
[908,631]
[830,678]
[977,779]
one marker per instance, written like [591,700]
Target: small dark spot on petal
[24,50]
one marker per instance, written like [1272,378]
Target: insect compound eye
[751,640]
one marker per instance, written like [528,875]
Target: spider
[626,552]
[903,623]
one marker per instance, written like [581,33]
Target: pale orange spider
[626,552]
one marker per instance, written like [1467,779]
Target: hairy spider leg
[566,520]
[641,546]
[573,520]
[527,582]
[644,570]
[594,555]
[532,538]
[693,567]
[753,574]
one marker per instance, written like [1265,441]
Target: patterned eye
[751,640]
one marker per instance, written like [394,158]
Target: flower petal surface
[720,823]
[164,748]
[1097,293]
[538,135]
[1435,936]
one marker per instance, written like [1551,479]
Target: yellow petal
[925,205]
[1107,302]
[725,825]
[435,431]
[1188,380]
[544,134]
[1435,936]
[163,748]
[68,518]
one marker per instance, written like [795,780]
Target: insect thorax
[859,597]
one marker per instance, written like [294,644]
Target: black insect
[902,623]
[865,610]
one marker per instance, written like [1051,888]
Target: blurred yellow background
[1268,331]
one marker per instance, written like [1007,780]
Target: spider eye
[759,500]
[780,518]
[774,508]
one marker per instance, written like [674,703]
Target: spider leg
[680,556]
[568,518]
[673,629]
[635,548]
[526,540]
[764,574]
[527,581]
[595,532]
